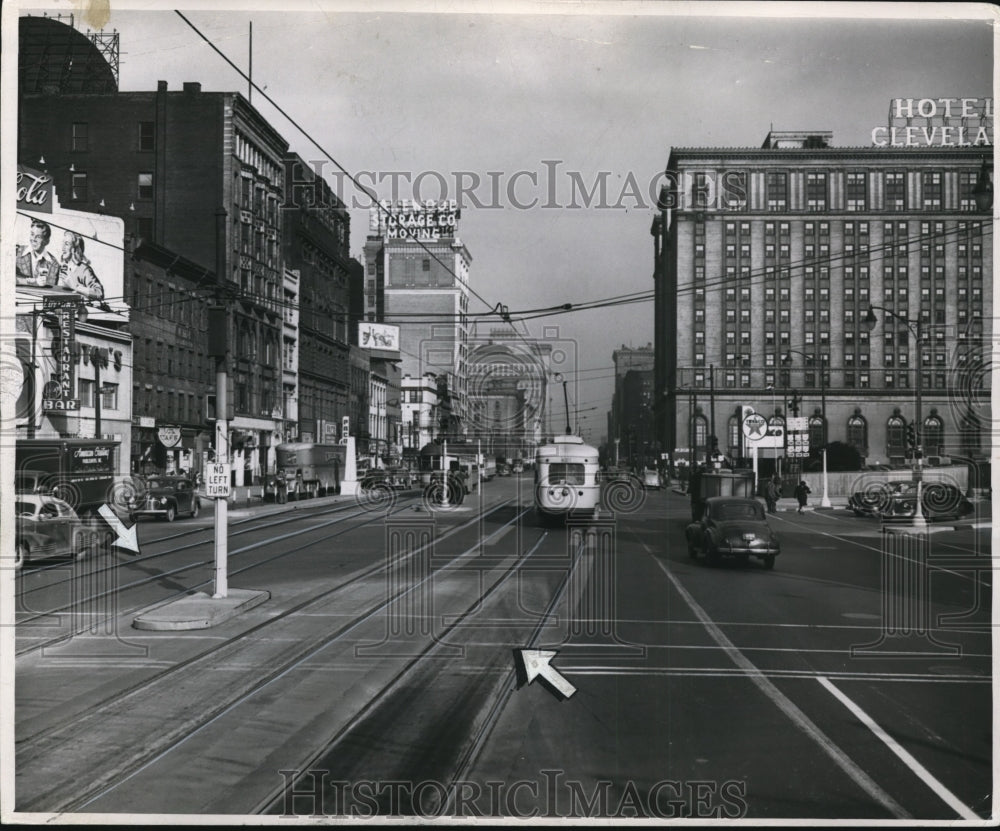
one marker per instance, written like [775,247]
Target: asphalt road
[384,663]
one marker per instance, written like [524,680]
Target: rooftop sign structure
[412,219]
[937,122]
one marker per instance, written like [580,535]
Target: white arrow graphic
[126,536]
[536,663]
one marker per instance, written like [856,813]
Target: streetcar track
[28,743]
[143,558]
[159,576]
[124,770]
[399,679]
[508,686]
[170,573]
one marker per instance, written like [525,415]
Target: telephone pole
[218,335]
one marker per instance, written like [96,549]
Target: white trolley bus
[566,478]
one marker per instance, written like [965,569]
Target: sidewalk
[787,503]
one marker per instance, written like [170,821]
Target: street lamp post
[919,521]
[825,500]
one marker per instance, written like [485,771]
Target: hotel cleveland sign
[937,122]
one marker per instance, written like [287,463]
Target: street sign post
[754,427]
[217,481]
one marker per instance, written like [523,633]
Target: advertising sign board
[78,252]
[412,219]
[378,336]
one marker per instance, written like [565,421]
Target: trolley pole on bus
[445,473]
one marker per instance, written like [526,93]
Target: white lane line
[568,669]
[783,703]
[499,535]
[983,629]
[929,779]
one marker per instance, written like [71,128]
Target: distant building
[420,416]
[630,421]
[766,263]
[174,382]
[507,392]
[290,356]
[316,226]
[417,278]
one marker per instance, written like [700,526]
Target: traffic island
[199,611]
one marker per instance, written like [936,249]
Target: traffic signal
[911,436]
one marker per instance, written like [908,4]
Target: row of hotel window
[890,357]
[862,294]
[817,191]
[850,228]
[852,273]
[850,380]
[932,239]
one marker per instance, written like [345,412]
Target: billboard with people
[61,249]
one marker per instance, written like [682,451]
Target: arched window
[817,431]
[895,436]
[698,435]
[734,429]
[933,435]
[857,433]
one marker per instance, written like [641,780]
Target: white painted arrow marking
[536,662]
[126,536]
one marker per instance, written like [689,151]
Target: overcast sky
[550,96]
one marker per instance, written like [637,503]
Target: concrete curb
[199,611]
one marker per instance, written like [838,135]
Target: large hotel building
[768,264]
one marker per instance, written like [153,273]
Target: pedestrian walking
[802,492]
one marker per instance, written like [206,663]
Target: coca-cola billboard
[58,249]
[34,191]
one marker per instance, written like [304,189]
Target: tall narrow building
[417,278]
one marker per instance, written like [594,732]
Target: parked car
[651,479]
[733,526]
[49,527]
[898,501]
[503,469]
[34,481]
[167,497]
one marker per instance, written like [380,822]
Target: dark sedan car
[733,526]
[49,527]
[168,496]
[898,501]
